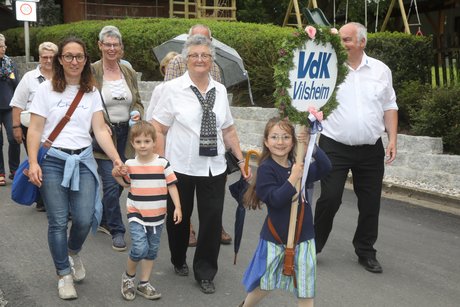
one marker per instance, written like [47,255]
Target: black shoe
[207,286]
[40,207]
[182,270]
[370,264]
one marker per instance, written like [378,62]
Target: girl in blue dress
[277,176]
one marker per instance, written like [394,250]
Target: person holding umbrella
[195,126]
[176,68]
[277,176]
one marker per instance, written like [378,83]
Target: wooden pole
[404,17]
[387,17]
[300,155]
[288,14]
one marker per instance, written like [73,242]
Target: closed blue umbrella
[238,189]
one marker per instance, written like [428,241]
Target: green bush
[257,44]
[409,98]
[408,56]
[439,115]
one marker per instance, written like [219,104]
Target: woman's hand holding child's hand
[120,171]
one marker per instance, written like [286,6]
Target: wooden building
[108,9]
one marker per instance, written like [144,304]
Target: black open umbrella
[227,58]
[238,189]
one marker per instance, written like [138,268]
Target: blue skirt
[266,269]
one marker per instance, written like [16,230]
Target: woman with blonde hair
[25,93]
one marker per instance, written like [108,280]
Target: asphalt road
[418,248]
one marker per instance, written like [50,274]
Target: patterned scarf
[208,131]
[6,69]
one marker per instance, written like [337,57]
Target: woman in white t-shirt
[67,176]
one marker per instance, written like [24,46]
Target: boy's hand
[120,171]
[177,215]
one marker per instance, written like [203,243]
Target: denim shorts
[145,241]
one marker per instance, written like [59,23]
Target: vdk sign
[313,76]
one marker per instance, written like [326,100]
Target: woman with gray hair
[25,93]
[122,103]
[194,127]
[8,81]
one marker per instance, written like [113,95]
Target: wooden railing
[446,68]
[116,10]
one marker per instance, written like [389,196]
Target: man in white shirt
[352,140]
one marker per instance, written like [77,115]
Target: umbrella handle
[248,157]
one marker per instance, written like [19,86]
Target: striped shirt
[146,203]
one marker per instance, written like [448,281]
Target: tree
[48,13]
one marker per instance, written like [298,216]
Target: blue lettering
[305,91]
[324,68]
[315,68]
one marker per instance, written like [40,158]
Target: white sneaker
[66,289]
[128,290]
[76,265]
[148,291]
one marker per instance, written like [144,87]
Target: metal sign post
[26,11]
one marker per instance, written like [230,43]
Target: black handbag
[232,162]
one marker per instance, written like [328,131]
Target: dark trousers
[210,202]
[111,215]
[366,165]
[14,150]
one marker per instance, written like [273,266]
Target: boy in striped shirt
[150,178]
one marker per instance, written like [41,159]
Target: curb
[418,197]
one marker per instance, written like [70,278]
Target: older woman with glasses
[67,176]
[8,82]
[194,127]
[120,97]
[25,93]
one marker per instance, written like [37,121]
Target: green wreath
[285,63]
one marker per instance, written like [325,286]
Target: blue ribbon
[315,127]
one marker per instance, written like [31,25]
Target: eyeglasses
[204,56]
[110,45]
[69,58]
[49,58]
[277,138]
[3,47]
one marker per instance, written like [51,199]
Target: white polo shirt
[363,97]
[25,91]
[179,109]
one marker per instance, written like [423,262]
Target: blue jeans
[145,241]
[14,149]
[58,201]
[111,215]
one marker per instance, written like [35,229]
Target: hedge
[257,44]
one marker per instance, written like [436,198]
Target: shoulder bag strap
[273,231]
[64,120]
